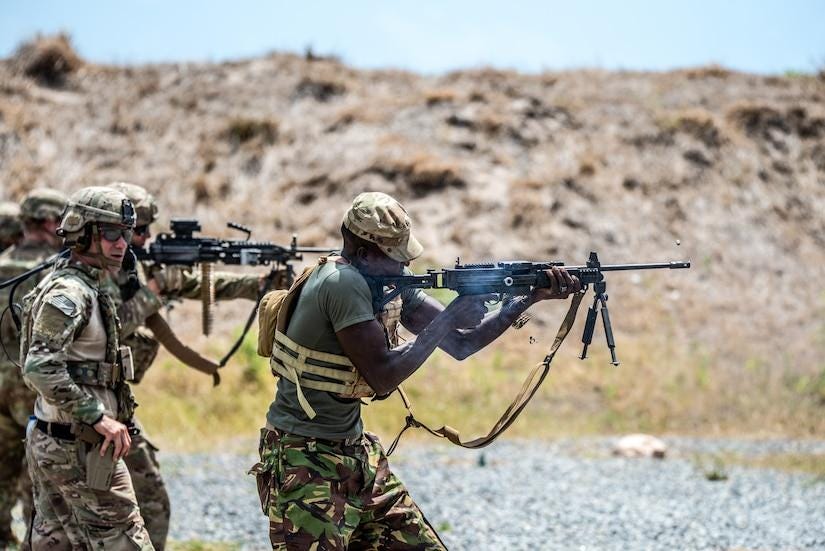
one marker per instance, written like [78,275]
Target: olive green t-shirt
[334,297]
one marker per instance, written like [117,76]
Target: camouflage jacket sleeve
[133,312]
[62,314]
[228,285]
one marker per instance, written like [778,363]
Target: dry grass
[662,386]
[441,96]
[709,71]
[245,130]
[48,59]
[423,173]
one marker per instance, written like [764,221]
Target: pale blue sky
[430,36]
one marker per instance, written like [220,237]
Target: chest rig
[107,373]
[308,368]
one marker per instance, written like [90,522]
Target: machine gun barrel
[181,247]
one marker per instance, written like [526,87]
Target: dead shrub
[423,174]
[243,130]
[756,120]
[321,90]
[48,59]
[200,188]
[709,71]
[529,204]
[440,96]
[761,121]
[700,125]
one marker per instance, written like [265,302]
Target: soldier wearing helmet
[74,361]
[10,229]
[38,217]
[332,351]
[159,284]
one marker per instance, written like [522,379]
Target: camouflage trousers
[69,514]
[16,404]
[332,495]
[150,489]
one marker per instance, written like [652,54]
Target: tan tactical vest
[308,368]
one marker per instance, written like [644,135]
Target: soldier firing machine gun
[516,278]
[180,247]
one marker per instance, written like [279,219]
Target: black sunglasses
[142,230]
[113,233]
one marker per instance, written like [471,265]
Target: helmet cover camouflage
[96,204]
[42,204]
[380,219]
[10,227]
[146,207]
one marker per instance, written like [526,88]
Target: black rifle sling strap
[186,355]
[528,389]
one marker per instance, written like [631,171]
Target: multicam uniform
[70,342]
[72,363]
[323,482]
[16,399]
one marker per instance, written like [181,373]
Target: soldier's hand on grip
[467,311]
[562,285]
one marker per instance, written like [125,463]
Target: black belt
[58,430]
[64,431]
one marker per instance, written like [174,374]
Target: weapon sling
[528,389]
[188,356]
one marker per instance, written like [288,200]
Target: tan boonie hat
[380,219]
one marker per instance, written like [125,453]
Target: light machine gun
[516,278]
[182,248]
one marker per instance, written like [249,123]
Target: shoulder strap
[289,303]
[528,389]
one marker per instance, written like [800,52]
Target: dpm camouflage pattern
[69,514]
[16,399]
[328,495]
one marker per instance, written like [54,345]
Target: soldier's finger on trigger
[555,283]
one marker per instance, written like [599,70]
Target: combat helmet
[90,206]
[146,208]
[42,204]
[10,227]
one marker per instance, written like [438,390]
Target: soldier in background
[83,493]
[158,285]
[10,229]
[39,216]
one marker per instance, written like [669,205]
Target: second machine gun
[515,278]
[181,247]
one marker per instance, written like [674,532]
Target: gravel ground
[567,494]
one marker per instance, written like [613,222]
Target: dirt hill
[491,164]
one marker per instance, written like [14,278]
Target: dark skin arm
[461,329]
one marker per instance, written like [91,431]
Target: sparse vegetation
[242,130]
[490,164]
[48,59]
